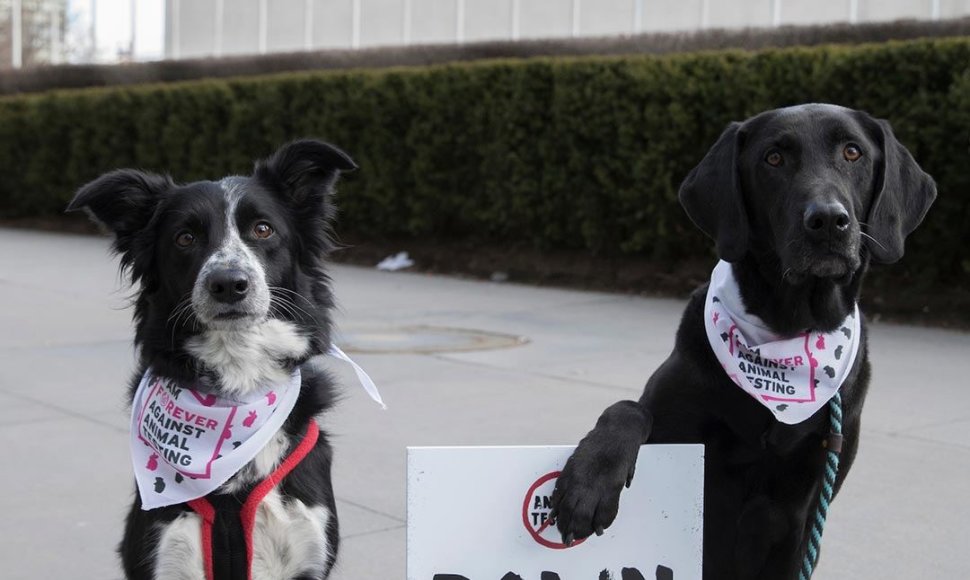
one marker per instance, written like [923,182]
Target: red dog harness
[221,543]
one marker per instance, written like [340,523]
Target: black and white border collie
[232,294]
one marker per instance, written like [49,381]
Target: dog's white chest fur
[289,538]
[247,358]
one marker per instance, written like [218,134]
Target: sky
[114,28]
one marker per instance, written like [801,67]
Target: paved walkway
[66,353]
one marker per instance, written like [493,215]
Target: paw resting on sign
[587,494]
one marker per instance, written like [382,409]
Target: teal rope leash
[833,448]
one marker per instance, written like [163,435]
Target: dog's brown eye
[262,230]
[774,159]
[184,239]
[852,152]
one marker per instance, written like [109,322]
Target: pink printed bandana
[185,444]
[793,377]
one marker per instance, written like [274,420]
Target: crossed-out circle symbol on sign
[535,514]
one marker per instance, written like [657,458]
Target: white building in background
[42,32]
[32,32]
[35,32]
[200,28]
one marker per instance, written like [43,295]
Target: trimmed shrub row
[568,154]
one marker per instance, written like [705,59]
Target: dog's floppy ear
[902,195]
[711,195]
[123,201]
[305,170]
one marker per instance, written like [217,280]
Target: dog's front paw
[587,493]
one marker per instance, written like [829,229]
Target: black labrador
[798,200]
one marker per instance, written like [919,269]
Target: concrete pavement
[66,353]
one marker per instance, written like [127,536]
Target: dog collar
[185,443]
[793,377]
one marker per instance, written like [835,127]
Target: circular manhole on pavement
[424,340]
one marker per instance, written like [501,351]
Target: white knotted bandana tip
[362,376]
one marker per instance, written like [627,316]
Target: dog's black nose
[228,286]
[826,219]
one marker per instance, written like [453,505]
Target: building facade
[32,32]
[200,28]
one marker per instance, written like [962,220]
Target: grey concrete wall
[433,21]
[814,11]
[606,17]
[381,22]
[740,14]
[285,25]
[545,18]
[200,41]
[488,19]
[884,10]
[333,23]
[666,17]
[240,29]
[954,8]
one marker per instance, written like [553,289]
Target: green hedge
[570,153]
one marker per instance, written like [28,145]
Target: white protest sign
[481,513]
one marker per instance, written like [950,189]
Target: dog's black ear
[711,195]
[305,170]
[902,194]
[123,201]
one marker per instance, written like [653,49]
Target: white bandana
[793,377]
[185,443]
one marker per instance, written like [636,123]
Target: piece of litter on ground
[398,261]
